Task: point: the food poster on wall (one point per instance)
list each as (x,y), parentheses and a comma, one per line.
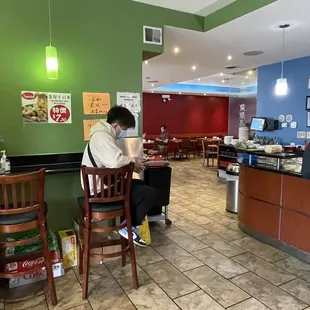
(96,103)
(131,101)
(88,124)
(46,107)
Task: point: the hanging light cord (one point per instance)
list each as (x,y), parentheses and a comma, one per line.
(283,49)
(50,20)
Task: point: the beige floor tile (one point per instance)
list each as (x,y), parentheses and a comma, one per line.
(1,304)
(174,217)
(177,208)
(221,245)
(95,272)
(268,271)
(123,275)
(159,239)
(295,267)
(260,249)
(222,290)
(196,218)
(191,228)
(107,295)
(250,304)
(220,263)
(69,292)
(34,303)
(267,293)
(197,301)
(83,307)
(224,232)
(298,288)
(186,241)
(162,227)
(147,255)
(170,279)
(151,297)
(179,257)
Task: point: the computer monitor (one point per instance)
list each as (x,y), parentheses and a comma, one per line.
(258,123)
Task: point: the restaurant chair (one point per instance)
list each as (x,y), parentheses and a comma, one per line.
(110,201)
(186,149)
(210,151)
(22,208)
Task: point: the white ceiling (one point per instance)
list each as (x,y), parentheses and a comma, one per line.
(208,51)
(200,7)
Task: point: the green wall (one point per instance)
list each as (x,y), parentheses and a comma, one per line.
(100,49)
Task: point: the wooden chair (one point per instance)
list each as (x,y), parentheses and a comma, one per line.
(185,150)
(111,200)
(210,151)
(22,208)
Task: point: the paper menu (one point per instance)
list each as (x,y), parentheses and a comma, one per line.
(96,103)
(88,124)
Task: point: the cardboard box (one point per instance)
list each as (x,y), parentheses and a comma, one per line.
(68,246)
(37,276)
(58,270)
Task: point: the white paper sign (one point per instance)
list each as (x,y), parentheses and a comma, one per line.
(131,101)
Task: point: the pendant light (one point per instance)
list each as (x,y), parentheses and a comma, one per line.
(51,51)
(281,86)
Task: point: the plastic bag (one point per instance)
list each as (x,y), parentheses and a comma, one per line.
(144,231)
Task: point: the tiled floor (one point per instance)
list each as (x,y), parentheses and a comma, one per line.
(202,262)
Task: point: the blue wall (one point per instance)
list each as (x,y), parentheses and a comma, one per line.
(297,73)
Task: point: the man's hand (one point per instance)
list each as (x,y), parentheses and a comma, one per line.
(139,167)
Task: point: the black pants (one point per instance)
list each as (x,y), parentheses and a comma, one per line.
(142,201)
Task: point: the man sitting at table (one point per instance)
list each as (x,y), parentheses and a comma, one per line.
(164,136)
(104,153)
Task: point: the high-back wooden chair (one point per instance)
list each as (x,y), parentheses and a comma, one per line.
(22,208)
(110,200)
(210,151)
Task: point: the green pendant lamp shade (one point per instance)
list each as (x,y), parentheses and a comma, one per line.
(51,63)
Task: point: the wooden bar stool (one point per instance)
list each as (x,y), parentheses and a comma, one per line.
(210,151)
(22,208)
(111,200)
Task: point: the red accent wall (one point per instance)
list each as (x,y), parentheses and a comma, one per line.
(185,114)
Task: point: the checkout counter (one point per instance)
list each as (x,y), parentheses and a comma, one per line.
(274,204)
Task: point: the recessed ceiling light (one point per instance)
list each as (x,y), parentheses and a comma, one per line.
(152,91)
(246,76)
(194,67)
(205,94)
(242,83)
(146,62)
(223,81)
(198,79)
(250,72)
(176,50)
(152,85)
(229,57)
(221,74)
(180,93)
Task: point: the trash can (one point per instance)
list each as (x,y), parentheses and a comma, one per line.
(232,186)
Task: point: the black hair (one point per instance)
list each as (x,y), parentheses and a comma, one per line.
(163,126)
(122,116)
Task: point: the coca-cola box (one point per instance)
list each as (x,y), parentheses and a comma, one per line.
(36,276)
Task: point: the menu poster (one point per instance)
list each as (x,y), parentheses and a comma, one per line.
(133,132)
(45,107)
(88,124)
(96,103)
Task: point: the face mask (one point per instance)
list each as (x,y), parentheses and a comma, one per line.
(122,134)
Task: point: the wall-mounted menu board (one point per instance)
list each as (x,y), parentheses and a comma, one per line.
(96,103)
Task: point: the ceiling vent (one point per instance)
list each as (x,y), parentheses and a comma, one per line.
(231,67)
(152,35)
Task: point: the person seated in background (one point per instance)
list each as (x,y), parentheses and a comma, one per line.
(164,136)
(102,152)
